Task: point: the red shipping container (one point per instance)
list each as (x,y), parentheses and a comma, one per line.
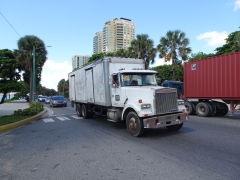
(216,77)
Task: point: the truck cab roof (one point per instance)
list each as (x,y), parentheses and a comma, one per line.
(137,71)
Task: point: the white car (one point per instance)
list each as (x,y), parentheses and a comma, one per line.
(47,100)
(42,98)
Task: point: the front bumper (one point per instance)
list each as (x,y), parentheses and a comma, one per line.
(59,104)
(162,121)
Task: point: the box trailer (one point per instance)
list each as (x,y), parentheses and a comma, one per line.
(124,91)
(209,80)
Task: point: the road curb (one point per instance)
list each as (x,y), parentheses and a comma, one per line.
(15,125)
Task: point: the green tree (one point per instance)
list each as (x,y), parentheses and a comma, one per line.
(9,73)
(95,57)
(199,55)
(121,53)
(143,48)
(62,87)
(24,56)
(232,44)
(165,72)
(42,90)
(175,45)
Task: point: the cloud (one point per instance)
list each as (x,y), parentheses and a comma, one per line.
(213,38)
(53,72)
(236,5)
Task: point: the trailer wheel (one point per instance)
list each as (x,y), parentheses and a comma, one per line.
(79,110)
(85,113)
(175,127)
(134,124)
(203,109)
(223,110)
(190,107)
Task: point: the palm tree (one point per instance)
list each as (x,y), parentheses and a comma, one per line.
(175,45)
(24,56)
(121,53)
(143,48)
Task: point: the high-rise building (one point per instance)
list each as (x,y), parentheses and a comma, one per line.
(117,34)
(78,61)
(97,43)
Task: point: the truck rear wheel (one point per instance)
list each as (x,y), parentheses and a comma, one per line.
(190,108)
(79,110)
(203,109)
(175,127)
(134,124)
(85,113)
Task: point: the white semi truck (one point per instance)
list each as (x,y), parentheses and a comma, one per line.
(122,90)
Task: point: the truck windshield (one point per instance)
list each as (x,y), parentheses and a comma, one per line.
(138,79)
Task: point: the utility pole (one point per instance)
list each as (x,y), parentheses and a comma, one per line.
(34,74)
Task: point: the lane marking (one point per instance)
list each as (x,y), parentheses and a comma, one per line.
(76,117)
(48,120)
(62,118)
(63,114)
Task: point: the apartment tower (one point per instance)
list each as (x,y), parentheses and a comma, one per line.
(117,34)
(79,61)
(97,43)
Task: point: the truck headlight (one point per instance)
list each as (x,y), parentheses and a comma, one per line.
(144,106)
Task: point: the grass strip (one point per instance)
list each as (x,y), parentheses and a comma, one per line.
(4,120)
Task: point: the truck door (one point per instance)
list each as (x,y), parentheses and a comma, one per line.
(118,93)
(89,86)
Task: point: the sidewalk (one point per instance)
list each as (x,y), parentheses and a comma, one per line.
(9,107)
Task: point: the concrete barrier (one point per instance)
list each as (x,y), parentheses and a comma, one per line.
(9,127)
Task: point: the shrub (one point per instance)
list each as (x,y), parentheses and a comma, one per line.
(34,108)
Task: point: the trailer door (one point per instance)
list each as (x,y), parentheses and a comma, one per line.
(89,86)
(72,88)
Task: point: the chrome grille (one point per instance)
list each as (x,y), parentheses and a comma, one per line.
(166,102)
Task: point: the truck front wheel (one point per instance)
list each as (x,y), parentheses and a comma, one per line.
(134,124)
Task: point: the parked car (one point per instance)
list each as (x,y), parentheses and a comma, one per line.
(42,98)
(58,101)
(47,100)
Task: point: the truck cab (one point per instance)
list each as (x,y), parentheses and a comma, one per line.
(137,91)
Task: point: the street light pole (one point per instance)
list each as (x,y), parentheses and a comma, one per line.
(34,74)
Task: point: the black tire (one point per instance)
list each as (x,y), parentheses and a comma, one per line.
(85,113)
(190,107)
(134,124)
(203,109)
(223,110)
(175,127)
(79,110)
(212,108)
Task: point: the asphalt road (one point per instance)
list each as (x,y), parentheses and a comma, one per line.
(62,147)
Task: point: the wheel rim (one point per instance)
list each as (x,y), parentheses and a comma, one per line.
(132,124)
(202,110)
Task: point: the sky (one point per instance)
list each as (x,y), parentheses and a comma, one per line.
(69,26)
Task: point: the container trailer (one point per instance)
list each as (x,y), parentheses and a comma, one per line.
(212,83)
